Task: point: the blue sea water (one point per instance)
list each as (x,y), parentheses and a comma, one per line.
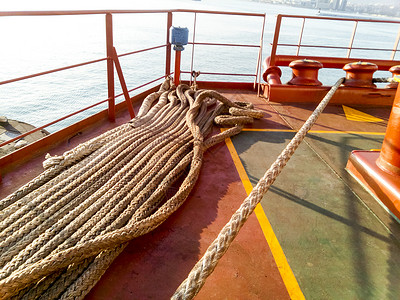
(36,44)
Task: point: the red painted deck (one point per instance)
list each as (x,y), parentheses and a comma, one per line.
(153,266)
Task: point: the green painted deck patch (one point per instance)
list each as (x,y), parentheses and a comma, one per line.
(335,246)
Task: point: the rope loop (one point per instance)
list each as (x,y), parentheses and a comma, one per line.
(52,161)
(253,113)
(227,120)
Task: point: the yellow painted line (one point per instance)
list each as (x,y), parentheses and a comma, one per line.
(359,116)
(315,131)
(239,166)
(269,130)
(286,272)
(288,277)
(347,132)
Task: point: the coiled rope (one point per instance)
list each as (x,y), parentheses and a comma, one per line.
(206,265)
(60,231)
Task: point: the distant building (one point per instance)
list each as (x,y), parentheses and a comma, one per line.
(331,4)
(323,4)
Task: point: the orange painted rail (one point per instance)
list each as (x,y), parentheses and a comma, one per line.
(299,45)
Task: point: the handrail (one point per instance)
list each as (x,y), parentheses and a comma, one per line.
(141,50)
(102,12)
(110,46)
(336,47)
(52,71)
(220,73)
(350,47)
(221,44)
(338,19)
(51,123)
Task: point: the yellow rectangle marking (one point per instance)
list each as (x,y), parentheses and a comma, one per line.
(286,272)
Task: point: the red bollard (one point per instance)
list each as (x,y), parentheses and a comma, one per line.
(379,171)
(272,75)
(389,159)
(359,74)
(395,70)
(305,72)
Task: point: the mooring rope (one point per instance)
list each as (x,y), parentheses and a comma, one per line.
(59,231)
(206,265)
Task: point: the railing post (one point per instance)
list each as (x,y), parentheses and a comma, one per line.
(110,68)
(177,73)
(193,43)
(168,48)
(276,38)
(259,58)
(300,37)
(396,44)
(123,83)
(352,39)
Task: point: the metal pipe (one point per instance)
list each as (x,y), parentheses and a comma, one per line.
(396,44)
(144,84)
(141,50)
(102,12)
(300,36)
(168,48)
(110,68)
(193,44)
(340,19)
(177,73)
(74,113)
(51,71)
(335,47)
(276,38)
(123,84)
(220,44)
(259,58)
(352,39)
(51,123)
(214,73)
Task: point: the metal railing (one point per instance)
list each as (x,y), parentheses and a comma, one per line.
(259,46)
(275,44)
(111,57)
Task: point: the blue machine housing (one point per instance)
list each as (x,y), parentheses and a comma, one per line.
(179,37)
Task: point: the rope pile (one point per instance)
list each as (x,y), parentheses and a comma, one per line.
(59,232)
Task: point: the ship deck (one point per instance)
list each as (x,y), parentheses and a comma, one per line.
(317,233)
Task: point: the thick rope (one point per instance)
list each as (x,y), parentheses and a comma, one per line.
(206,265)
(58,232)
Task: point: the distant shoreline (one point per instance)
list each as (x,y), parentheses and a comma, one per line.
(351,13)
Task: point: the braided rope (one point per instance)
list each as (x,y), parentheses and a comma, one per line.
(58,232)
(206,265)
